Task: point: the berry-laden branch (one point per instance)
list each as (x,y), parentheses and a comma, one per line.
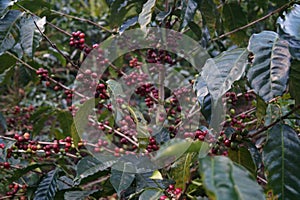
(55,47)
(49,78)
(83,20)
(255,21)
(276,121)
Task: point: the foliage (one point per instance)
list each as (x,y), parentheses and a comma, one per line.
(157,124)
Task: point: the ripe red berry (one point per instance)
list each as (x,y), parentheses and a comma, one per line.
(227,143)
(71,43)
(81,41)
(81,35)
(68,139)
(6,165)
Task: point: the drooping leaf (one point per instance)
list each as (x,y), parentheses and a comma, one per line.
(151,194)
(89,166)
(289,29)
(261,108)
(78,195)
(4,4)
(18,173)
(81,117)
(211,16)
(172,150)
(280,158)
(47,187)
(143,181)
(128,23)
(222,179)
(294,81)
(29,34)
(268,74)
(6,61)
(222,71)
(121,180)
(243,157)
(188,10)
(146,14)
(180,170)
(234,17)
(65,119)
(289,22)
(9,30)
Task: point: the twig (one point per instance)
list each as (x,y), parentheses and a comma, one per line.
(253,22)
(55,47)
(49,78)
(276,121)
(83,20)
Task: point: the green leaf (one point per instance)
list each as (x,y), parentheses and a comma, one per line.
(280,156)
(261,108)
(222,71)
(289,29)
(222,179)
(81,117)
(289,23)
(6,61)
(4,4)
(9,30)
(243,157)
(180,170)
(211,16)
(75,135)
(188,10)
(30,36)
(115,88)
(151,194)
(48,186)
(18,173)
(234,17)
(78,195)
(89,166)
(156,175)
(65,119)
(128,23)
(268,74)
(172,150)
(146,14)
(294,81)
(121,180)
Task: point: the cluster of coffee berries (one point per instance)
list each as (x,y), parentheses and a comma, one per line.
(149,91)
(152,146)
(173,193)
(232,97)
(135,63)
(17,188)
(135,78)
(159,57)
(100,144)
(101,91)
(78,41)
(69,95)
(18,118)
(42,73)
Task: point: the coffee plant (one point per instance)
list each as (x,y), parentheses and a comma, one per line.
(147,99)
